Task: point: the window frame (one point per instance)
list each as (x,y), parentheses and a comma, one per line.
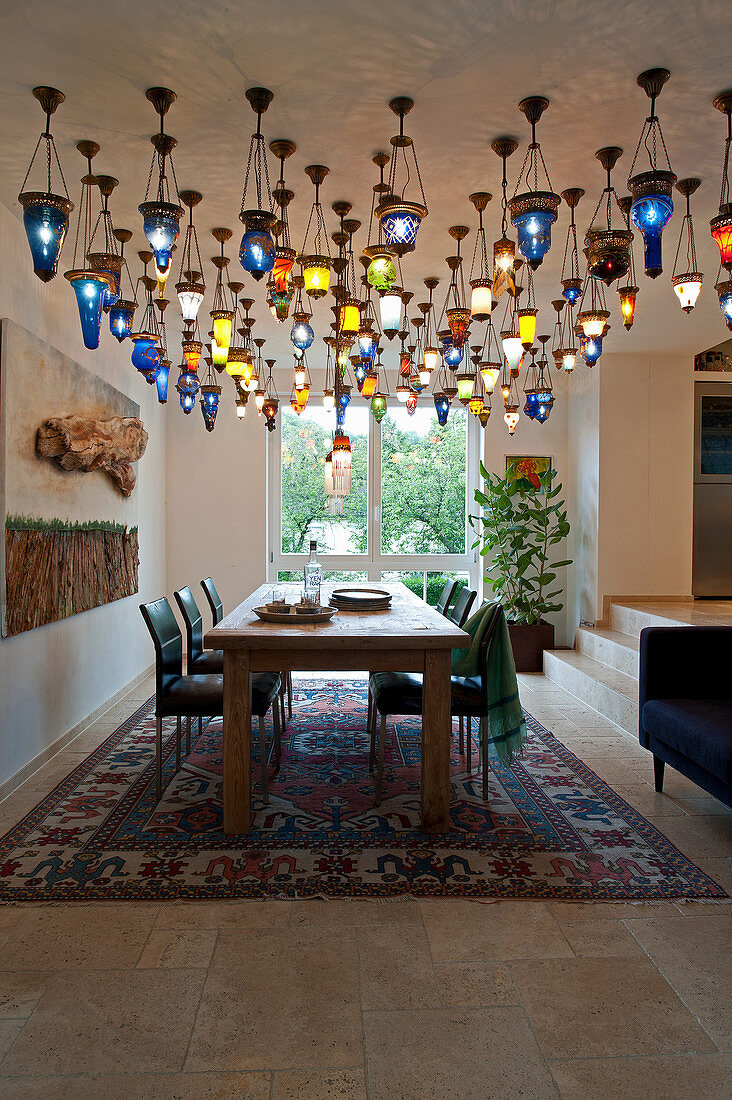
(373,562)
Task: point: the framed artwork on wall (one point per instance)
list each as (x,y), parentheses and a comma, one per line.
(528,469)
(69,445)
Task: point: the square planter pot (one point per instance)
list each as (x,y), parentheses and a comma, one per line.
(528,643)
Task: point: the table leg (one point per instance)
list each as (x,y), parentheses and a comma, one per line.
(436,741)
(236,742)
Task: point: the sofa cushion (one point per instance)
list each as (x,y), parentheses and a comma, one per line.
(700,729)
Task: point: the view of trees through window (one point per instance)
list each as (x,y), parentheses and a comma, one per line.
(423,482)
(306,440)
(422,491)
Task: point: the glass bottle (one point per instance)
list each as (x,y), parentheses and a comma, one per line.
(313,575)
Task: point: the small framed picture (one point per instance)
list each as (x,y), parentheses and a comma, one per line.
(527,470)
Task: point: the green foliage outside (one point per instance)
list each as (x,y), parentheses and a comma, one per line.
(305,444)
(518,530)
(423,487)
(29,523)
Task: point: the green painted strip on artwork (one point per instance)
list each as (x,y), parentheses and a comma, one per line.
(30,523)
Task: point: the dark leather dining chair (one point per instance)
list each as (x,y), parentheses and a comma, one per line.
(217,613)
(459,613)
(214,600)
(198,659)
(199,695)
(446,597)
(401,693)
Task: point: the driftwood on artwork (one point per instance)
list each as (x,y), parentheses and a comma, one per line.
(81,443)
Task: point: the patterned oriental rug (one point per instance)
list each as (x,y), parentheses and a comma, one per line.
(550,829)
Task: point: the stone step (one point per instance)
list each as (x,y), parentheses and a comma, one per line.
(610,647)
(629,619)
(606,690)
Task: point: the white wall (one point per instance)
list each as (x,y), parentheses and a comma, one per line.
(216,507)
(52,677)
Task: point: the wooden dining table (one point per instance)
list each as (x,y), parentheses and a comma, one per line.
(409,637)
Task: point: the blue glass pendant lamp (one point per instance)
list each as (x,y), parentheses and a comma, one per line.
(161,216)
(257,248)
(46,213)
(145,355)
(571,280)
(652,190)
(122,313)
(210,394)
(534,211)
(400,216)
(187,387)
(90,286)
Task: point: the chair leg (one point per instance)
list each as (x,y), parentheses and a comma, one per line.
(188,735)
(659,767)
(281,700)
(470,750)
(200,725)
(289,695)
(177,743)
(373,717)
(158,759)
(368,712)
(484,754)
(380,769)
(461,727)
(277,733)
(263,759)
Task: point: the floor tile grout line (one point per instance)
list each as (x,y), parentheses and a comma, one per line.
(357,942)
(184,1062)
(668,981)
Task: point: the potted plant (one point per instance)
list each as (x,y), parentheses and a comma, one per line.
(521,522)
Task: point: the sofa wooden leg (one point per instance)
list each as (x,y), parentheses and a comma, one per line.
(658,768)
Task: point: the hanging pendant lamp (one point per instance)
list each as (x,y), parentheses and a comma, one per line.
(190,287)
(687,283)
(399,216)
(608,249)
(90,286)
(721,225)
(652,190)
(534,211)
(161,215)
(504,249)
(257,249)
(46,213)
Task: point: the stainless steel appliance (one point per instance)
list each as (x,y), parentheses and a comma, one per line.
(712,553)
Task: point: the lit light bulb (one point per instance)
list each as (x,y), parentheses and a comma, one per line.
(328,401)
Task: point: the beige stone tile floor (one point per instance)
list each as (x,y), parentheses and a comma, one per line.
(393,1000)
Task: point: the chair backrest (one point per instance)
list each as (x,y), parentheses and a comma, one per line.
(463,603)
(446,596)
(168,642)
(194,624)
(214,600)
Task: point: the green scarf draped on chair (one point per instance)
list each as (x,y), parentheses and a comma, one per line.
(507,728)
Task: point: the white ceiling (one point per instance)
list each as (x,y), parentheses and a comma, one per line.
(333,65)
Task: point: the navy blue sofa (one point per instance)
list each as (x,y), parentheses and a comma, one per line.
(685,713)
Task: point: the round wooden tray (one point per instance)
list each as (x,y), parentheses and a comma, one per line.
(293,618)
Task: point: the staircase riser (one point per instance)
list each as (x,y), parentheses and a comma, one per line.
(630,621)
(608,652)
(611,704)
